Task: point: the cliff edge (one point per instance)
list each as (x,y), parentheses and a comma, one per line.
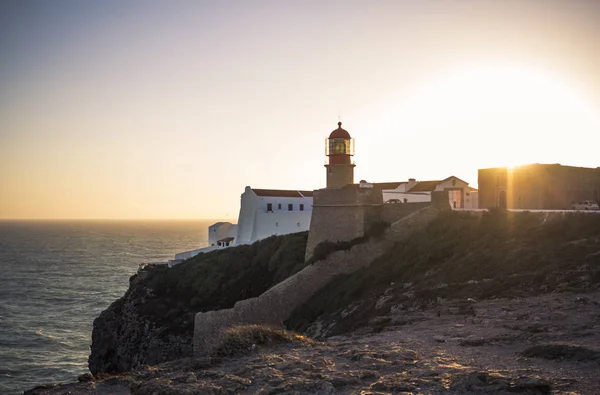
(470,303)
(153,321)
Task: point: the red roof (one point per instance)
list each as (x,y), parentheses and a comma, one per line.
(339,133)
(281,193)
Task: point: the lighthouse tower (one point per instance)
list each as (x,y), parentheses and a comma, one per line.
(339,148)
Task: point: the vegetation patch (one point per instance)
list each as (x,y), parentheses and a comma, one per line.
(459,256)
(218,279)
(325,248)
(244,339)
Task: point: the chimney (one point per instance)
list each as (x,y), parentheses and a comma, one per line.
(411,183)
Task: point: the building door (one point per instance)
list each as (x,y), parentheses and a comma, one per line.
(455,198)
(502,199)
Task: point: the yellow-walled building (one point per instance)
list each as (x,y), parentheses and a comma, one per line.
(538,186)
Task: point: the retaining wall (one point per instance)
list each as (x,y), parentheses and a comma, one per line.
(393,212)
(275,305)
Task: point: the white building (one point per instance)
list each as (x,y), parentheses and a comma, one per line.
(267,212)
(459,193)
(221,234)
(263,213)
(399,191)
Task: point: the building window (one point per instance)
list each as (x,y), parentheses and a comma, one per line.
(269,207)
(279,206)
(301,207)
(290,207)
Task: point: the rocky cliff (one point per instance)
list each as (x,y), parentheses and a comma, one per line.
(460,257)
(153,321)
(489,303)
(554,350)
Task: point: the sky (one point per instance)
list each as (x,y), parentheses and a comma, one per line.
(156,109)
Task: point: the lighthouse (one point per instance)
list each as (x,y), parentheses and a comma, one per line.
(339,148)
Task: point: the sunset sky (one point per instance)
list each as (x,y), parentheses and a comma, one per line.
(168,109)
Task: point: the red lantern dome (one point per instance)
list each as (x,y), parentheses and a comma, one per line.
(339,147)
(339,133)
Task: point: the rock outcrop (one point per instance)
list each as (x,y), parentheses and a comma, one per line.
(123,338)
(153,321)
(489,303)
(433,355)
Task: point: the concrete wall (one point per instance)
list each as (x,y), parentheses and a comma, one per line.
(248,206)
(275,305)
(193,253)
(280,223)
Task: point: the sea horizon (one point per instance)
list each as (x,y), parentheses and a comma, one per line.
(59,275)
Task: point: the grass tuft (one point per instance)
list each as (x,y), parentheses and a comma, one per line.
(241,340)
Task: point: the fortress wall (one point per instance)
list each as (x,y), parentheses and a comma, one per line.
(440,200)
(342,215)
(334,224)
(391,213)
(275,305)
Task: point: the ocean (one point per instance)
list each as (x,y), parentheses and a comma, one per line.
(57,276)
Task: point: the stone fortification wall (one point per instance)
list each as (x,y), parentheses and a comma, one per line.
(275,305)
(342,215)
(391,213)
(347,197)
(440,200)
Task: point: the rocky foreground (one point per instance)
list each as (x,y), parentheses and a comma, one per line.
(545,344)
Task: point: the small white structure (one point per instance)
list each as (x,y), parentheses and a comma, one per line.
(263,213)
(400,191)
(460,195)
(268,212)
(221,234)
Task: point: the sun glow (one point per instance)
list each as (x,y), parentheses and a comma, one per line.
(504,114)
(487,90)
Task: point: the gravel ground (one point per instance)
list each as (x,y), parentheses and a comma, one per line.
(537,345)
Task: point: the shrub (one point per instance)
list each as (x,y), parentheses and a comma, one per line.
(218,279)
(325,248)
(243,339)
(516,251)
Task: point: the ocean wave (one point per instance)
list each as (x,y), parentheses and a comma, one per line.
(58,276)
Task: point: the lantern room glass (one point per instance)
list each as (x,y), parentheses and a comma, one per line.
(339,147)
